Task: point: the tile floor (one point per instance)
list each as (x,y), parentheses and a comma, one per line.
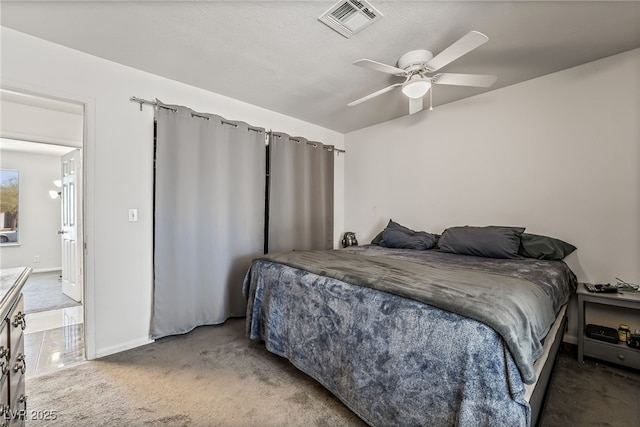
(53,339)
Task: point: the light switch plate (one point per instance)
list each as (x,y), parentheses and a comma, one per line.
(133,215)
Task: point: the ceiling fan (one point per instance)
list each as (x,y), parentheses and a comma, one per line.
(418,66)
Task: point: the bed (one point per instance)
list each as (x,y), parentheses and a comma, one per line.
(407,337)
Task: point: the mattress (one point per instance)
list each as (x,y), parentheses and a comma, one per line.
(547,356)
(391,359)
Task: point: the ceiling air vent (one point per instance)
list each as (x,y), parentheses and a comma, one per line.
(351,16)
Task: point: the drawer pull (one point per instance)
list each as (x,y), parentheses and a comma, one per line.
(21,364)
(23,399)
(20,320)
(5,354)
(621,356)
(5,415)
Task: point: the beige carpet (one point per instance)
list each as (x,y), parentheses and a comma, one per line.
(212,376)
(215,376)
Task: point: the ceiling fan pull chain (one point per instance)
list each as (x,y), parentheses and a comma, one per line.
(431,99)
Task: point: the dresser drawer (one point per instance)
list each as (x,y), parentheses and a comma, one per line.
(4,350)
(18,402)
(18,366)
(5,409)
(17,323)
(620,354)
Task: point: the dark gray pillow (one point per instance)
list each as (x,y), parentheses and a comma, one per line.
(489,242)
(544,247)
(376,240)
(398,236)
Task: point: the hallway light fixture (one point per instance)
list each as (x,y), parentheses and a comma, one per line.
(53,193)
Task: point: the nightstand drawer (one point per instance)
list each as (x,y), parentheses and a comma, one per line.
(614,353)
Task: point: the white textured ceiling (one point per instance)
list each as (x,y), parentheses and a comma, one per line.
(277,55)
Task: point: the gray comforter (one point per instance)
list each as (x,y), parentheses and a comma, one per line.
(461,358)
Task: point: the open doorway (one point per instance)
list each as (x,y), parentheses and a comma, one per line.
(42,139)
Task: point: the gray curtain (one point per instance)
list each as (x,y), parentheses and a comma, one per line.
(301,194)
(209,217)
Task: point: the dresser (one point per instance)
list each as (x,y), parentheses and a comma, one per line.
(13,401)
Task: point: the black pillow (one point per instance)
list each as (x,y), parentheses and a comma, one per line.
(544,247)
(398,236)
(376,240)
(490,242)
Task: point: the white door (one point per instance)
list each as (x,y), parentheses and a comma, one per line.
(71,220)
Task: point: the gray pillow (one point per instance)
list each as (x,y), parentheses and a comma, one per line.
(544,247)
(398,236)
(376,240)
(489,242)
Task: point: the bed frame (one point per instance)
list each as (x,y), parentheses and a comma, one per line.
(535,394)
(539,395)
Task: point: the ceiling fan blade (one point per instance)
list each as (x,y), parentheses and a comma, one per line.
(415,105)
(480,80)
(379,66)
(373,95)
(464,45)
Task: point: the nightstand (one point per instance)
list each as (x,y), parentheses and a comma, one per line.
(620,353)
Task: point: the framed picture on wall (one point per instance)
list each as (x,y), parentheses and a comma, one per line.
(9,205)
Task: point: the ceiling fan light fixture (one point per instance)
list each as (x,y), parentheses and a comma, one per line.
(416,88)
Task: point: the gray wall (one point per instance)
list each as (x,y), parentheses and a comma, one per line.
(558,154)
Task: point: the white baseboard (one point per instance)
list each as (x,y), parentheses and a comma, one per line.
(46,270)
(571,339)
(123,346)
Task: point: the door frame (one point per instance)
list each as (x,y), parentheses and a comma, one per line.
(87,263)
